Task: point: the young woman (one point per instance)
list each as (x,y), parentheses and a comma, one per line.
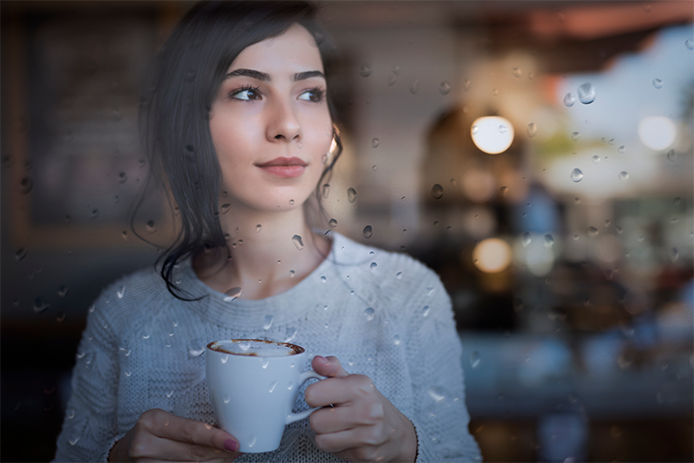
(239,122)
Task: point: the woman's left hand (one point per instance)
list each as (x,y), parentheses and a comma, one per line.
(358,423)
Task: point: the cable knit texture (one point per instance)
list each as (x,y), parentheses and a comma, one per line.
(383,315)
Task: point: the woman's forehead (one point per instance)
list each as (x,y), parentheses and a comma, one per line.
(294,50)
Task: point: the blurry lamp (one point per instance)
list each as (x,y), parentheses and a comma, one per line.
(492,134)
(657,132)
(492,255)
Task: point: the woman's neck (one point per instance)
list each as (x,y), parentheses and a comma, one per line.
(266,253)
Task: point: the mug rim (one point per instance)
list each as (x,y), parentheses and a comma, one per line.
(296,349)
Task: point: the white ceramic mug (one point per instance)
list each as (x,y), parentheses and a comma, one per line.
(253,385)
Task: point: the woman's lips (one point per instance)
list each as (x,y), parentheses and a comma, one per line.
(284,167)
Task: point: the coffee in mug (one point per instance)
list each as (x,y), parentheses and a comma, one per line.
(253,385)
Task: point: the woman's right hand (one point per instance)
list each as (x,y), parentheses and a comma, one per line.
(159,435)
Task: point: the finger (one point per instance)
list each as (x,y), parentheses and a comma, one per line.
(335,391)
(328,366)
(172,427)
(152,447)
(364,436)
(347,416)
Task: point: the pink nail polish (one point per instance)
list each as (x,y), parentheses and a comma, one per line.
(231,445)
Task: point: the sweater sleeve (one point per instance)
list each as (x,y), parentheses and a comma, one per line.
(89,426)
(435,354)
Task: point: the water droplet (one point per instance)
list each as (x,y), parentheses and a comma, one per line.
(592,232)
(323,278)
(425,311)
(437,191)
(291,202)
(532,129)
(292,273)
(671,155)
(658,83)
(146,336)
(586,93)
(398,275)
(624,175)
(325,190)
(127,373)
(122,177)
(370,313)
(444,88)
(575,135)
(40,305)
(74,440)
(365,70)
(373,266)
(225,208)
(576,175)
(232,294)
(517,72)
(396,340)
(475,359)
(60,318)
(224,359)
(150,226)
(195,352)
(273,386)
(227,399)
(436,394)
(26,185)
(569,100)
(70,413)
(549,240)
(375,142)
(63,290)
(124,234)
(351,194)
(258,227)
(265,364)
(291,334)
(332,223)
(368,232)
(298,242)
(621,149)
(596,158)
(526,240)
(689,43)
(20,254)
(414,87)
(675,254)
(94,213)
(120,292)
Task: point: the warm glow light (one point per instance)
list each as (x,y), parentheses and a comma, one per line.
(492,134)
(492,255)
(657,132)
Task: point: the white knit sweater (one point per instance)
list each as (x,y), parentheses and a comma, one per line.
(382,314)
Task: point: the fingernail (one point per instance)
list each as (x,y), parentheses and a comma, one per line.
(231,445)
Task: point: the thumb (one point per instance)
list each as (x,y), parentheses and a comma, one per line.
(328,366)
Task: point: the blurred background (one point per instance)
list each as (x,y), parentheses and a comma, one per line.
(536,154)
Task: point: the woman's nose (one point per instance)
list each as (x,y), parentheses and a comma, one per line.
(283,124)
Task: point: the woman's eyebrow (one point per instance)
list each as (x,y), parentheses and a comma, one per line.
(308,75)
(262,76)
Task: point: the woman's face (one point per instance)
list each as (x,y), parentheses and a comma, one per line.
(270,123)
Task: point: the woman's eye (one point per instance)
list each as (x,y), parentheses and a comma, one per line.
(245,94)
(314,95)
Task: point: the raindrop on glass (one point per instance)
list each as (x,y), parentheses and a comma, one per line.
(40,305)
(437,191)
(398,275)
(231,294)
(370,313)
(527,239)
(436,394)
(292,273)
(624,175)
(258,227)
(265,363)
(94,213)
(658,83)
(674,255)
(671,155)
(592,232)
(689,43)
(569,100)
(63,290)
(195,352)
(575,135)
(26,184)
(444,88)
(586,93)
(532,129)
(20,254)
(576,175)
(517,72)
(224,359)
(475,359)
(425,311)
(74,440)
(396,340)
(291,202)
(120,292)
(226,207)
(414,87)
(368,232)
(596,158)
(621,149)
(60,318)
(549,240)
(373,266)
(267,323)
(365,70)
(291,335)
(351,194)
(332,223)
(326,190)
(122,177)
(272,388)
(298,242)
(375,142)
(150,226)
(323,278)
(124,234)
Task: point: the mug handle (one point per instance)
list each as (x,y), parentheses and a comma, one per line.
(305,376)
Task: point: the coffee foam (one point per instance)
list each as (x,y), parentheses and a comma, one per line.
(255,348)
